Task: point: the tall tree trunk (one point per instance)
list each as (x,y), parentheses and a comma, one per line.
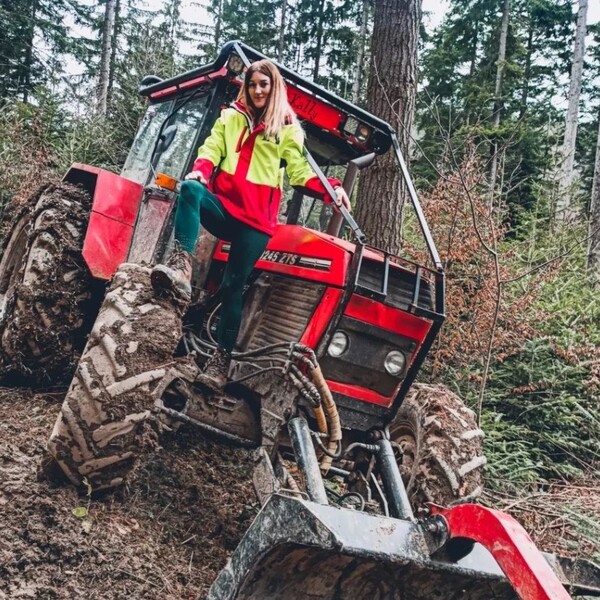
(319,40)
(527,72)
(107,35)
(391,96)
(113,53)
(593,255)
(498,96)
(564,210)
(218,25)
(360,57)
(282,32)
(28,62)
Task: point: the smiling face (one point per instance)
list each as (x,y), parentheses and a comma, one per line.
(259,88)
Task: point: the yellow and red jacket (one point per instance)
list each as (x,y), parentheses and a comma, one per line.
(244,168)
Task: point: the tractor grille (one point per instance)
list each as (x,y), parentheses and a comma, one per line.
(288,308)
(401,285)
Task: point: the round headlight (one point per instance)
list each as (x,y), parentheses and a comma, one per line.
(394,363)
(339,344)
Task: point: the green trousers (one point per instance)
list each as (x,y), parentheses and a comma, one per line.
(198,207)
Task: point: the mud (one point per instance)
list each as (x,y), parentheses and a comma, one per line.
(105,420)
(163,536)
(442,459)
(54,302)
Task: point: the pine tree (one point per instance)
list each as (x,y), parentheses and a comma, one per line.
(32,38)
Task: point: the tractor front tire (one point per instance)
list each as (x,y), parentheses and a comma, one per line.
(106,419)
(440,448)
(45,287)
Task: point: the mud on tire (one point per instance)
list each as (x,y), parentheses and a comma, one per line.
(441,447)
(45,286)
(105,421)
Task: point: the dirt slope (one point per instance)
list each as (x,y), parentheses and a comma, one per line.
(163,537)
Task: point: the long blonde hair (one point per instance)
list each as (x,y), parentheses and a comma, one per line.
(278,111)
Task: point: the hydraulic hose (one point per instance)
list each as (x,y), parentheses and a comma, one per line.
(335,427)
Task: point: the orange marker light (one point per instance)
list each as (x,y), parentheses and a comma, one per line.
(166,181)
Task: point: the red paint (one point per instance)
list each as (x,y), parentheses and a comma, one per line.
(297,240)
(106,245)
(361,393)
(386,317)
(321,317)
(114,196)
(113,216)
(524,566)
(187,84)
(316,111)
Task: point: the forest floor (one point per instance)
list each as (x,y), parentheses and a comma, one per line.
(170,530)
(164,536)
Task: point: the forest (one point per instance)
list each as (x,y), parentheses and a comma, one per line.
(499,114)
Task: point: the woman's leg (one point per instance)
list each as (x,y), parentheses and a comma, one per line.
(246,247)
(194,205)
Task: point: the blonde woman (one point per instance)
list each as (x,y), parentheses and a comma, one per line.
(234,191)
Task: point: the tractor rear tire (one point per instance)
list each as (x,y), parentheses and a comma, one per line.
(440,448)
(106,420)
(45,287)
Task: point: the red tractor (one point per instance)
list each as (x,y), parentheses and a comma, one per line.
(334,333)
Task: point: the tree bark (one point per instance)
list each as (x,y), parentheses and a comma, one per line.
(564,210)
(593,255)
(391,95)
(282,32)
(360,56)
(218,22)
(527,72)
(113,54)
(29,58)
(107,35)
(498,97)
(318,49)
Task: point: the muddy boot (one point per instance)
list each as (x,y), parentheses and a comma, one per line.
(175,275)
(215,370)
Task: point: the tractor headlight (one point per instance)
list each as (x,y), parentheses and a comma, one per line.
(357,129)
(339,344)
(394,363)
(362,133)
(350,126)
(235,64)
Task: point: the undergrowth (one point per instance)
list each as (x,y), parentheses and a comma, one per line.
(539,401)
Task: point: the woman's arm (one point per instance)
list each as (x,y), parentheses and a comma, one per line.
(300,173)
(210,153)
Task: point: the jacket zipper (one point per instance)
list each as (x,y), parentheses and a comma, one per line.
(240,140)
(271,204)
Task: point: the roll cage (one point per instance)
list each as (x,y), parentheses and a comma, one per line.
(337,131)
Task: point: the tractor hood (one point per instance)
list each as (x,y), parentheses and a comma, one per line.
(303,253)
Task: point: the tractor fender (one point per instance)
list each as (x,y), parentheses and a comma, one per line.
(112,219)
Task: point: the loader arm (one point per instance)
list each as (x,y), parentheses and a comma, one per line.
(528,571)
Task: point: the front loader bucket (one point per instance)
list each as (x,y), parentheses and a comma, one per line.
(297,549)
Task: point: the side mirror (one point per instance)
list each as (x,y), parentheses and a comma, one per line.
(166,139)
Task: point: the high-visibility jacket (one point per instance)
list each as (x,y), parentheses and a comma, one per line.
(244,168)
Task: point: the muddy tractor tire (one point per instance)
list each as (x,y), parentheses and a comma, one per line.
(106,419)
(440,448)
(45,286)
